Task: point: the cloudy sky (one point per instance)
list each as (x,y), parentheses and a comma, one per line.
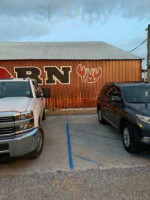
(119,22)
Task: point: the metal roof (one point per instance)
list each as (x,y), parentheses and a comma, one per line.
(63,51)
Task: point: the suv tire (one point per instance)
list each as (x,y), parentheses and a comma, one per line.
(35,154)
(129,138)
(100,116)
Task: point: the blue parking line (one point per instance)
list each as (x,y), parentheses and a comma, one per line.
(86,159)
(71,166)
(96,134)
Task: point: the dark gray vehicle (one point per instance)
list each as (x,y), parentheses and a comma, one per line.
(126,106)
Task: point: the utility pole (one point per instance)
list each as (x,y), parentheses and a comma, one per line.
(148,54)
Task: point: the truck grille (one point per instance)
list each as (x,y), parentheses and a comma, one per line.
(6,131)
(7,124)
(6,119)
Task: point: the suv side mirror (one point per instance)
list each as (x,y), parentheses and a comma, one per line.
(46,92)
(116,99)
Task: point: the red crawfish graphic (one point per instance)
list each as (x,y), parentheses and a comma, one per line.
(4,73)
(89,75)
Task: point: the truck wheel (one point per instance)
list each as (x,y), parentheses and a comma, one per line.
(44,115)
(129,138)
(100,116)
(35,154)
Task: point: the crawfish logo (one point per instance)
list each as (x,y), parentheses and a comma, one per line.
(89,75)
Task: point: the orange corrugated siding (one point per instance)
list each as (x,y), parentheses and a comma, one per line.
(79,94)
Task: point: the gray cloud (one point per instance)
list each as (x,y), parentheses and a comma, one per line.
(129,8)
(21,18)
(15,29)
(135,8)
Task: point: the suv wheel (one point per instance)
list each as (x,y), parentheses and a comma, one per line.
(129,138)
(35,154)
(100,116)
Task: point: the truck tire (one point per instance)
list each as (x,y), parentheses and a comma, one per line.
(100,116)
(128,138)
(35,154)
(44,115)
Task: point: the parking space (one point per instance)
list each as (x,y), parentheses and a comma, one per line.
(54,155)
(95,145)
(77,142)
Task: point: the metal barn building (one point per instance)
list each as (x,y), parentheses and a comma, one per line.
(75,71)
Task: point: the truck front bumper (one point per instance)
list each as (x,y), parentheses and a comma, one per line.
(20,145)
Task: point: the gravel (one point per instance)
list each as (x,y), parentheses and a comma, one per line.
(94,184)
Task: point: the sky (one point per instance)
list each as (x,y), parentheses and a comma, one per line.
(121,23)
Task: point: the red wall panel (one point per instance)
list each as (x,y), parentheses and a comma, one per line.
(77,93)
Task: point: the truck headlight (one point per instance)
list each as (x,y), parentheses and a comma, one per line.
(24,121)
(143,118)
(24,116)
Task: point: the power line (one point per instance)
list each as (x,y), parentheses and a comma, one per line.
(138,46)
(133,32)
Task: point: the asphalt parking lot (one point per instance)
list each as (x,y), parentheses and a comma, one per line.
(78,142)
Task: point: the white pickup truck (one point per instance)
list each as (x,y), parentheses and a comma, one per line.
(22,107)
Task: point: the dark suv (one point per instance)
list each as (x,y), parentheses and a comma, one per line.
(126,106)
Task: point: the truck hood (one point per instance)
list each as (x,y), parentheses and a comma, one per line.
(19,104)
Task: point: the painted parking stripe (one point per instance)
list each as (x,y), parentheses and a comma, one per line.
(86,159)
(95,134)
(71,166)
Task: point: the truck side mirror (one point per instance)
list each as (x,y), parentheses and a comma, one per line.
(46,92)
(39,95)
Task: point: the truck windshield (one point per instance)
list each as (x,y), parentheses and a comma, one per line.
(15,89)
(137,94)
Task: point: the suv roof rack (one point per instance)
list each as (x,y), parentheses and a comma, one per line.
(133,82)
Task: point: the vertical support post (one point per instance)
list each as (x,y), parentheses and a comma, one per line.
(148,54)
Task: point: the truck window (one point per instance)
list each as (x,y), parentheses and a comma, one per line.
(15,89)
(37,89)
(35,85)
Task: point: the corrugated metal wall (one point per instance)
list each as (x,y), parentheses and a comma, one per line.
(79,94)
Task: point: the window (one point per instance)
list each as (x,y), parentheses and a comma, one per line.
(15,89)
(114,92)
(37,89)
(35,85)
(106,89)
(137,94)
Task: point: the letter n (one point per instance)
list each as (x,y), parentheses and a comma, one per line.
(54,74)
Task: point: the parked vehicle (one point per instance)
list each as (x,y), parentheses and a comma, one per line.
(126,106)
(22,107)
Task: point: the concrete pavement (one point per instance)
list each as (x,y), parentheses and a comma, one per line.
(91,145)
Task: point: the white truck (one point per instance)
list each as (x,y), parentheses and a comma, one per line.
(22,107)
